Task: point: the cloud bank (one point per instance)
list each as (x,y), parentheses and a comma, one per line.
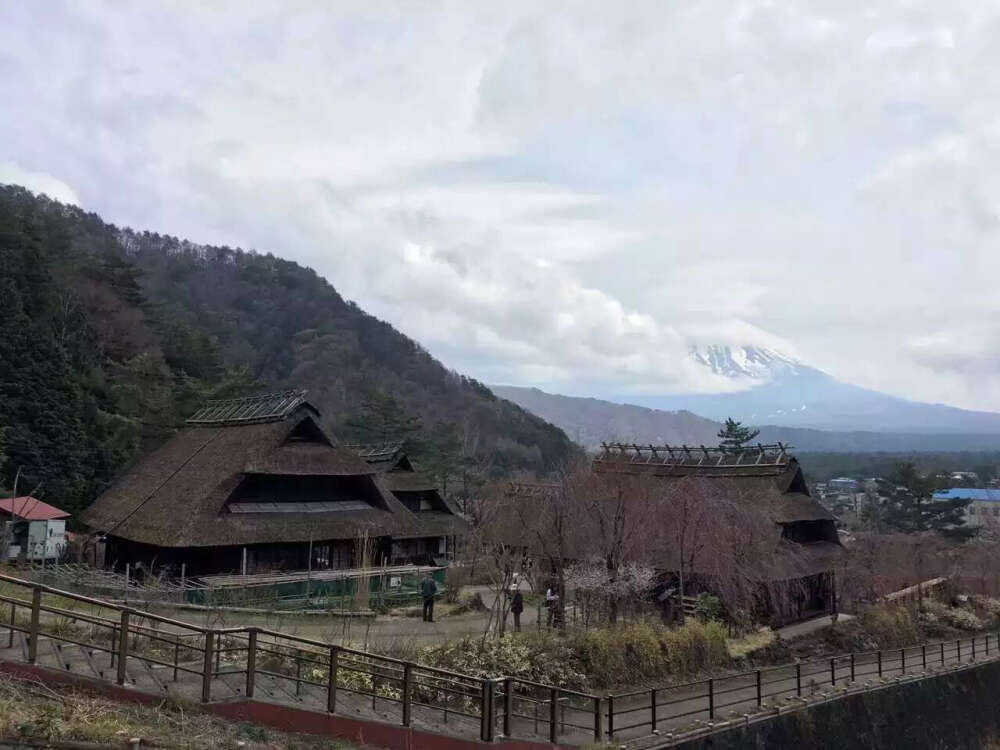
(562,195)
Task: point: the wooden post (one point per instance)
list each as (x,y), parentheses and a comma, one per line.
(508,705)
(122,647)
(251,662)
(484,711)
(652,709)
(407,690)
(298,673)
(36,611)
(10,637)
(184,577)
(711,698)
(852,666)
(177,651)
(243,566)
(206,667)
(798,678)
(553,715)
(942,653)
(973,648)
(923,656)
(760,698)
(879,663)
(611,717)
(331,680)
(597,720)
(902,660)
(958,650)
(833,670)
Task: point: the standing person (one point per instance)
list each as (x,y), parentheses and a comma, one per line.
(516,608)
(551,601)
(428,588)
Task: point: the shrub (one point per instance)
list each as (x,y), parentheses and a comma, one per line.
(708,607)
(891,625)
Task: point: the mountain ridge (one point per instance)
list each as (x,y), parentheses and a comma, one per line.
(589,421)
(777,389)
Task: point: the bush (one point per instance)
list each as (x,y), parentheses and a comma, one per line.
(936,612)
(708,607)
(891,625)
(591,659)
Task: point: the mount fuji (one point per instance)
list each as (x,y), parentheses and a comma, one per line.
(783,391)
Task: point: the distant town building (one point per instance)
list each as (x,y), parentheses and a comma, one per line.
(984,508)
(842,484)
(33,530)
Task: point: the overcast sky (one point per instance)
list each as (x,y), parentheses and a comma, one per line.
(557,194)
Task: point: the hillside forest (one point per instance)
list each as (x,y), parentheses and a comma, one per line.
(111,337)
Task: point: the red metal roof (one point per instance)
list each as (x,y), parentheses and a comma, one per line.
(30,508)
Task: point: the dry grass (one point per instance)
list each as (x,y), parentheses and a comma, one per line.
(751,642)
(30,710)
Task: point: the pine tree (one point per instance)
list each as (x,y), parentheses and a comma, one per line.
(909,505)
(734,435)
(382,419)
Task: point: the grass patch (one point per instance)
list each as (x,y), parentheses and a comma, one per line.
(31,711)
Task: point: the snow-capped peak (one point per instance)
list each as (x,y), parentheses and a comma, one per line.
(753,362)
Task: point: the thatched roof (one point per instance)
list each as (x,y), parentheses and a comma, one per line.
(767,476)
(178,496)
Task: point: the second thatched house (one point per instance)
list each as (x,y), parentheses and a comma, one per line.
(255,484)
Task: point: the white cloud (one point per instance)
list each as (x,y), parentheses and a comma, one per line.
(13,174)
(559,195)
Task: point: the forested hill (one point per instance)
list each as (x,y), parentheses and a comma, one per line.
(109,338)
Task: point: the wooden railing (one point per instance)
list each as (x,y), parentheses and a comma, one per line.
(466,704)
(679,708)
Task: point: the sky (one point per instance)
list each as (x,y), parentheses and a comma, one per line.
(567,195)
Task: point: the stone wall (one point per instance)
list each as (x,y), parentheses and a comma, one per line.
(948,712)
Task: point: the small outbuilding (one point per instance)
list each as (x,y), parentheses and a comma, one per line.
(32,529)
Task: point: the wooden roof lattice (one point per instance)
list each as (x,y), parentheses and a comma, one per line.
(270,407)
(701,459)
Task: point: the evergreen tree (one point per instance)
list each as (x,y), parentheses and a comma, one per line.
(909,505)
(734,435)
(382,419)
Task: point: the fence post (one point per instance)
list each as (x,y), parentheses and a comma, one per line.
(880,663)
(611,717)
(553,715)
(122,647)
(407,690)
(902,660)
(958,650)
(798,678)
(298,673)
(833,670)
(760,698)
(923,656)
(251,662)
(206,667)
(852,666)
(942,653)
(597,719)
(331,680)
(10,638)
(711,698)
(973,648)
(508,704)
(36,611)
(484,711)
(652,708)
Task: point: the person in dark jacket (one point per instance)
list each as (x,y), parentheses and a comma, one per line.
(516,608)
(428,588)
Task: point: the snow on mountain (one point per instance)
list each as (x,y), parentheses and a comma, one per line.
(751,362)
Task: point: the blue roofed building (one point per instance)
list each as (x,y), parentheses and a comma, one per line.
(984,507)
